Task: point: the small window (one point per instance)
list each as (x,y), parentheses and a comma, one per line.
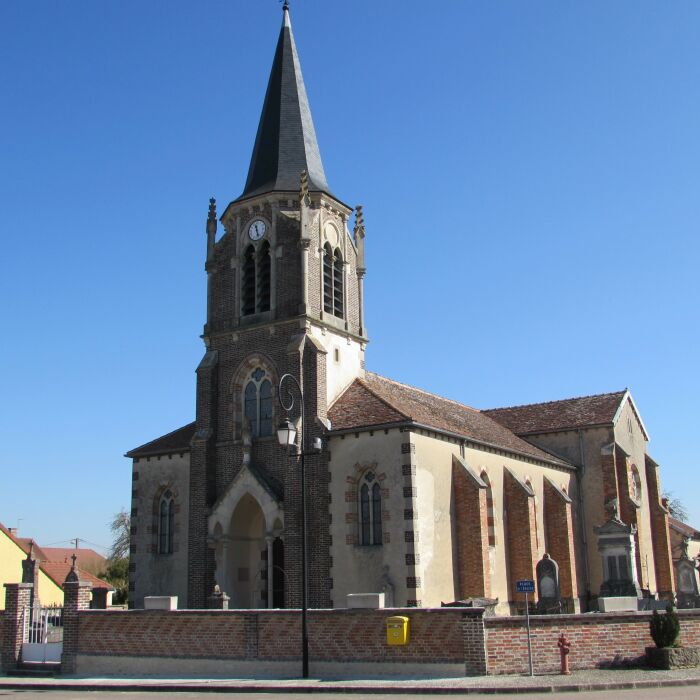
(166,523)
(370,510)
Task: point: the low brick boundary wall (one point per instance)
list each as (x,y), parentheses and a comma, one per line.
(442,636)
(443,641)
(598,640)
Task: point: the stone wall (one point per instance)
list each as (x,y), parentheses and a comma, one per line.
(597,641)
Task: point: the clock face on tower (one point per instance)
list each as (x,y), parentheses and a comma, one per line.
(257,230)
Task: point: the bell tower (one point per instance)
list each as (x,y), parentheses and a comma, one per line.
(284,295)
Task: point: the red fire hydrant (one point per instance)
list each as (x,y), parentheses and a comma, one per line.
(564,649)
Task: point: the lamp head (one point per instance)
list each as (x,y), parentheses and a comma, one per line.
(286,433)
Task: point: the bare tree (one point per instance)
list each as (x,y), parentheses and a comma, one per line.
(676,507)
(121,529)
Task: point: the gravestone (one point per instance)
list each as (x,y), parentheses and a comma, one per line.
(549,596)
(687,593)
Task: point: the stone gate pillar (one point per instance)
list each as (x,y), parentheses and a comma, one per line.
(17,599)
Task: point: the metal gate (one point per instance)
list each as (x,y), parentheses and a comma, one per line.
(42,638)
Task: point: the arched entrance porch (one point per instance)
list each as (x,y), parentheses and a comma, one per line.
(246,532)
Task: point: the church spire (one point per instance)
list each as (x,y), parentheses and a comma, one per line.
(286,140)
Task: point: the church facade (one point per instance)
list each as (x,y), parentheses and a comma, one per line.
(410,494)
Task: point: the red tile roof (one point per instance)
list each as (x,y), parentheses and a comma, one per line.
(375,400)
(177,441)
(559,415)
(683,528)
(86,558)
(58,570)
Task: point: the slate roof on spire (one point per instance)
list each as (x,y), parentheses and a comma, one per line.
(286,140)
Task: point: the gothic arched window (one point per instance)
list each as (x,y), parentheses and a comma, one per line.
(370,510)
(166,522)
(248,282)
(332,281)
(257,401)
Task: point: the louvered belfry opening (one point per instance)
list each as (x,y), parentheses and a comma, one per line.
(327,279)
(264,277)
(248,282)
(332,281)
(338,285)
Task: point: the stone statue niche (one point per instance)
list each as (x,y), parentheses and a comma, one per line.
(687,593)
(549,595)
(620,588)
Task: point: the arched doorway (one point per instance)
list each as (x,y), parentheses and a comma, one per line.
(247,554)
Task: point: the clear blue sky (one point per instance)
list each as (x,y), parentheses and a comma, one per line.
(530,174)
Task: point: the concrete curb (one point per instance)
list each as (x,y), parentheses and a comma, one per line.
(367,689)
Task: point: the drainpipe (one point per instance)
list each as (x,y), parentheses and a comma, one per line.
(582,513)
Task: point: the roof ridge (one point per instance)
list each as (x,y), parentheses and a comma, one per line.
(423,391)
(547,403)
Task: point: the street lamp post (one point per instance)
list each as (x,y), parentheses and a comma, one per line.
(287,434)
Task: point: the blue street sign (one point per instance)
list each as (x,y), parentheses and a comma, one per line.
(525,586)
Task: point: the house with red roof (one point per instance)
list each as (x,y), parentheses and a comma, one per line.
(53,567)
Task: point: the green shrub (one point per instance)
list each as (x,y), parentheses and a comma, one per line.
(665,628)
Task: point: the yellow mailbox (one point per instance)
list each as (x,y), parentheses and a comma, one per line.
(397,630)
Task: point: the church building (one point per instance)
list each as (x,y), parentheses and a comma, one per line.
(409,494)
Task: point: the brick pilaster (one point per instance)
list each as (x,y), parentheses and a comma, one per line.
(560,541)
(472,531)
(660,536)
(76,597)
(474,636)
(521,535)
(200,577)
(17,601)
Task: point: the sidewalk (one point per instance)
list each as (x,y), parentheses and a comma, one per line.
(577,681)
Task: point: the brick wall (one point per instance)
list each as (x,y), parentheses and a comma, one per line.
(436,635)
(597,641)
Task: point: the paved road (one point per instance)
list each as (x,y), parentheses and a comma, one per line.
(683,693)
